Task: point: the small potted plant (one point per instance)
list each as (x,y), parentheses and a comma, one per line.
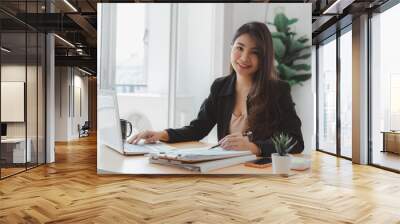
(281,160)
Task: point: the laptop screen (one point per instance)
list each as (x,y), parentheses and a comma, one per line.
(108,121)
(3,129)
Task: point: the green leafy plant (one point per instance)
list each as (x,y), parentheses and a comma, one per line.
(282,144)
(289,49)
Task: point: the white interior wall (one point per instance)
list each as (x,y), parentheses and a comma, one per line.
(61,103)
(158,21)
(14,73)
(65,119)
(195,74)
(79,117)
(33,126)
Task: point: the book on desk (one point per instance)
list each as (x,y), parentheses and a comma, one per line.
(201,159)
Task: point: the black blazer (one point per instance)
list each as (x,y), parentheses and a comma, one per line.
(218,108)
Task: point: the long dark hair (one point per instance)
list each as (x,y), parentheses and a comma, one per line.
(263,114)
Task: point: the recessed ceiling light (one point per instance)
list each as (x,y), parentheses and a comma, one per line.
(64,40)
(328,10)
(70,5)
(5,50)
(84,71)
(337,7)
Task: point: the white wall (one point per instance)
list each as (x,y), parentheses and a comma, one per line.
(80,83)
(61,103)
(33,126)
(195,72)
(158,51)
(15,72)
(66,121)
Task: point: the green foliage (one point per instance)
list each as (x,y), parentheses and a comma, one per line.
(282,144)
(288,50)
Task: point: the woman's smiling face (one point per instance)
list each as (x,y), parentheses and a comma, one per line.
(244,55)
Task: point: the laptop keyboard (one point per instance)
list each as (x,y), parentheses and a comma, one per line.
(135,148)
(147,148)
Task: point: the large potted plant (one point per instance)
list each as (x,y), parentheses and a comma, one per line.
(291,51)
(281,159)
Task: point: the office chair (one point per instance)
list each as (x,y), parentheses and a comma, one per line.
(84,130)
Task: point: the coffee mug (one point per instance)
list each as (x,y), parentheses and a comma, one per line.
(125,126)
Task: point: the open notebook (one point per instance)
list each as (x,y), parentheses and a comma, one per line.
(192,155)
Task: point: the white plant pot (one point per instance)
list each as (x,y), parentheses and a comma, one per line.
(280,164)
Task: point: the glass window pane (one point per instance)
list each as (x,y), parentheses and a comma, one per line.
(143,63)
(385,89)
(41,98)
(346,94)
(327,97)
(131,47)
(31,97)
(13,86)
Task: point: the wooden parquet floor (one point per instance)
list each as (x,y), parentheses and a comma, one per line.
(70,191)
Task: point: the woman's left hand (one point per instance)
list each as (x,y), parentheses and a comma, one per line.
(235,141)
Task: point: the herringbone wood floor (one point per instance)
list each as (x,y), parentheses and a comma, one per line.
(70,191)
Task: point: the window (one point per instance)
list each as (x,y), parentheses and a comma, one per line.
(327,97)
(346,94)
(131,48)
(385,88)
(141,60)
(22,65)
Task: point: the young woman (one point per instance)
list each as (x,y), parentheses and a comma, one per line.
(249,100)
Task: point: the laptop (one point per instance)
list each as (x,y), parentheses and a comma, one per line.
(109,128)
(3,131)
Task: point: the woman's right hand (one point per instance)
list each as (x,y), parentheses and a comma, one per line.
(149,137)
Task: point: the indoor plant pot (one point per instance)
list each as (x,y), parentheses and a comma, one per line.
(280,164)
(281,159)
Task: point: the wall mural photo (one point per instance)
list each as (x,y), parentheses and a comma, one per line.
(204,88)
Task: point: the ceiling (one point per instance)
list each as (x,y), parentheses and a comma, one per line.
(76,21)
(331,15)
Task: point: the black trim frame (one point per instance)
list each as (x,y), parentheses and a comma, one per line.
(317,96)
(369,90)
(0,92)
(385,168)
(338,73)
(26,90)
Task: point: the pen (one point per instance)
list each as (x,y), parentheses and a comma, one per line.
(247,133)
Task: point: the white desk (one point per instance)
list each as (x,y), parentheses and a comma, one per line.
(111,162)
(18,150)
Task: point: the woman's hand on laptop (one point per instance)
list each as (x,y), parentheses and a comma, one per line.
(148,136)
